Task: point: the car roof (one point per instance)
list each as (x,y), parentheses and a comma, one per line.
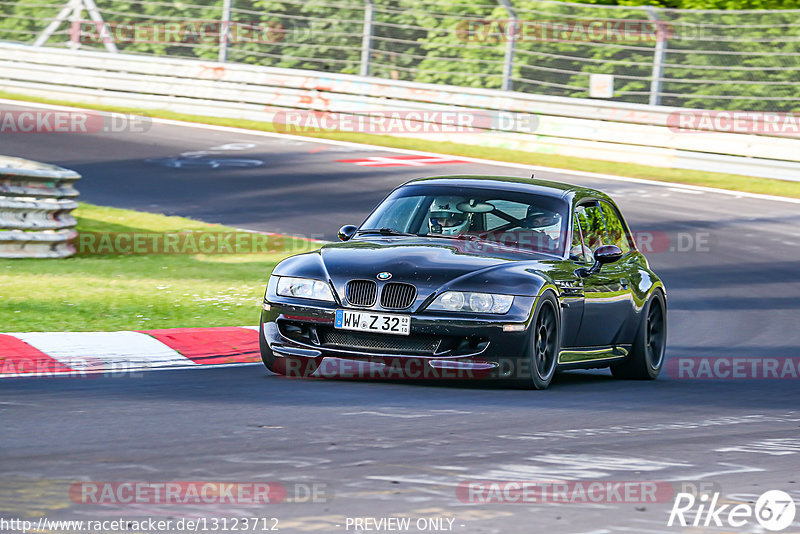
(513,183)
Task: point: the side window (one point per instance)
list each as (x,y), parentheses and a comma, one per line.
(593,228)
(577,251)
(616,234)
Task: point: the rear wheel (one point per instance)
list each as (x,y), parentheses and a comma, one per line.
(647,355)
(543,344)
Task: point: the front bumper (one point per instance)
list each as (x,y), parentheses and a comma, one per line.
(440,344)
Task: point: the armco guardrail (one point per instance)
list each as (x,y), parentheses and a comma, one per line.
(588,128)
(35,204)
(716,59)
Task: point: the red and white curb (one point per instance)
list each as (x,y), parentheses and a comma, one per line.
(80,353)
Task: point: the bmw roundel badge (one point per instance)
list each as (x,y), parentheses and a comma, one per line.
(384,275)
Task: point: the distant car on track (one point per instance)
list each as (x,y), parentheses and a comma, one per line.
(479,276)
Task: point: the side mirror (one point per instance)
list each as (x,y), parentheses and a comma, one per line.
(347,231)
(607,254)
(603,255)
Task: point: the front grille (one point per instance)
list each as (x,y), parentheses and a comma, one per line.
(398,296)
(367,342)
(362,292)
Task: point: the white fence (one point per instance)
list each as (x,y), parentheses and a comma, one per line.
(35,204)
(714,59)
(587,128)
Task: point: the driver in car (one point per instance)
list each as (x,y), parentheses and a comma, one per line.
(445,218)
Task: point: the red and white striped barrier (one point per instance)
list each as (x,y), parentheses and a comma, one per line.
(81,353)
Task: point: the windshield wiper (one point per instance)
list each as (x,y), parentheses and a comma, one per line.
(384,231)
(393,232)
(468,237)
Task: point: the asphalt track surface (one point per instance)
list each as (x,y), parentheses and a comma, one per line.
(384,449)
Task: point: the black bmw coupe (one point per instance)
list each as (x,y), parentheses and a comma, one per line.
(472,276)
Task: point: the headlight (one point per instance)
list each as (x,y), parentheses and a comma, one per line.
(472,302)
(305,288)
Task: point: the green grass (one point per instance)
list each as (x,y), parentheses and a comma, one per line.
(723,181)
(122,292)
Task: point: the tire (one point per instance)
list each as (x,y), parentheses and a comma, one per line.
(267,356)
(544,344)
(647,354)
(284,365)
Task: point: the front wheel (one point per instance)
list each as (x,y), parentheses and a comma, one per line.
(647,354)
(267,356)
(543,344)
(284,365)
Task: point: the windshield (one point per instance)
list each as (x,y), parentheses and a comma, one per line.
(522,220)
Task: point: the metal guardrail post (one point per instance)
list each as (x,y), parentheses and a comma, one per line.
(72,12)
(56,22)
(35,204)
(366,40)
(224,31)
(511,45)
(105,34)
(658,57)
(75,23)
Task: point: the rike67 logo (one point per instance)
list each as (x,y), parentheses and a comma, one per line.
(774,511)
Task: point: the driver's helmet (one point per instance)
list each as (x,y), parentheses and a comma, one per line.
(540,218)
(445,218)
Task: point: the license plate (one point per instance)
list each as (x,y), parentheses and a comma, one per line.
(381,323)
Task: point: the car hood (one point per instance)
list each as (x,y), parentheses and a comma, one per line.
(430,264)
